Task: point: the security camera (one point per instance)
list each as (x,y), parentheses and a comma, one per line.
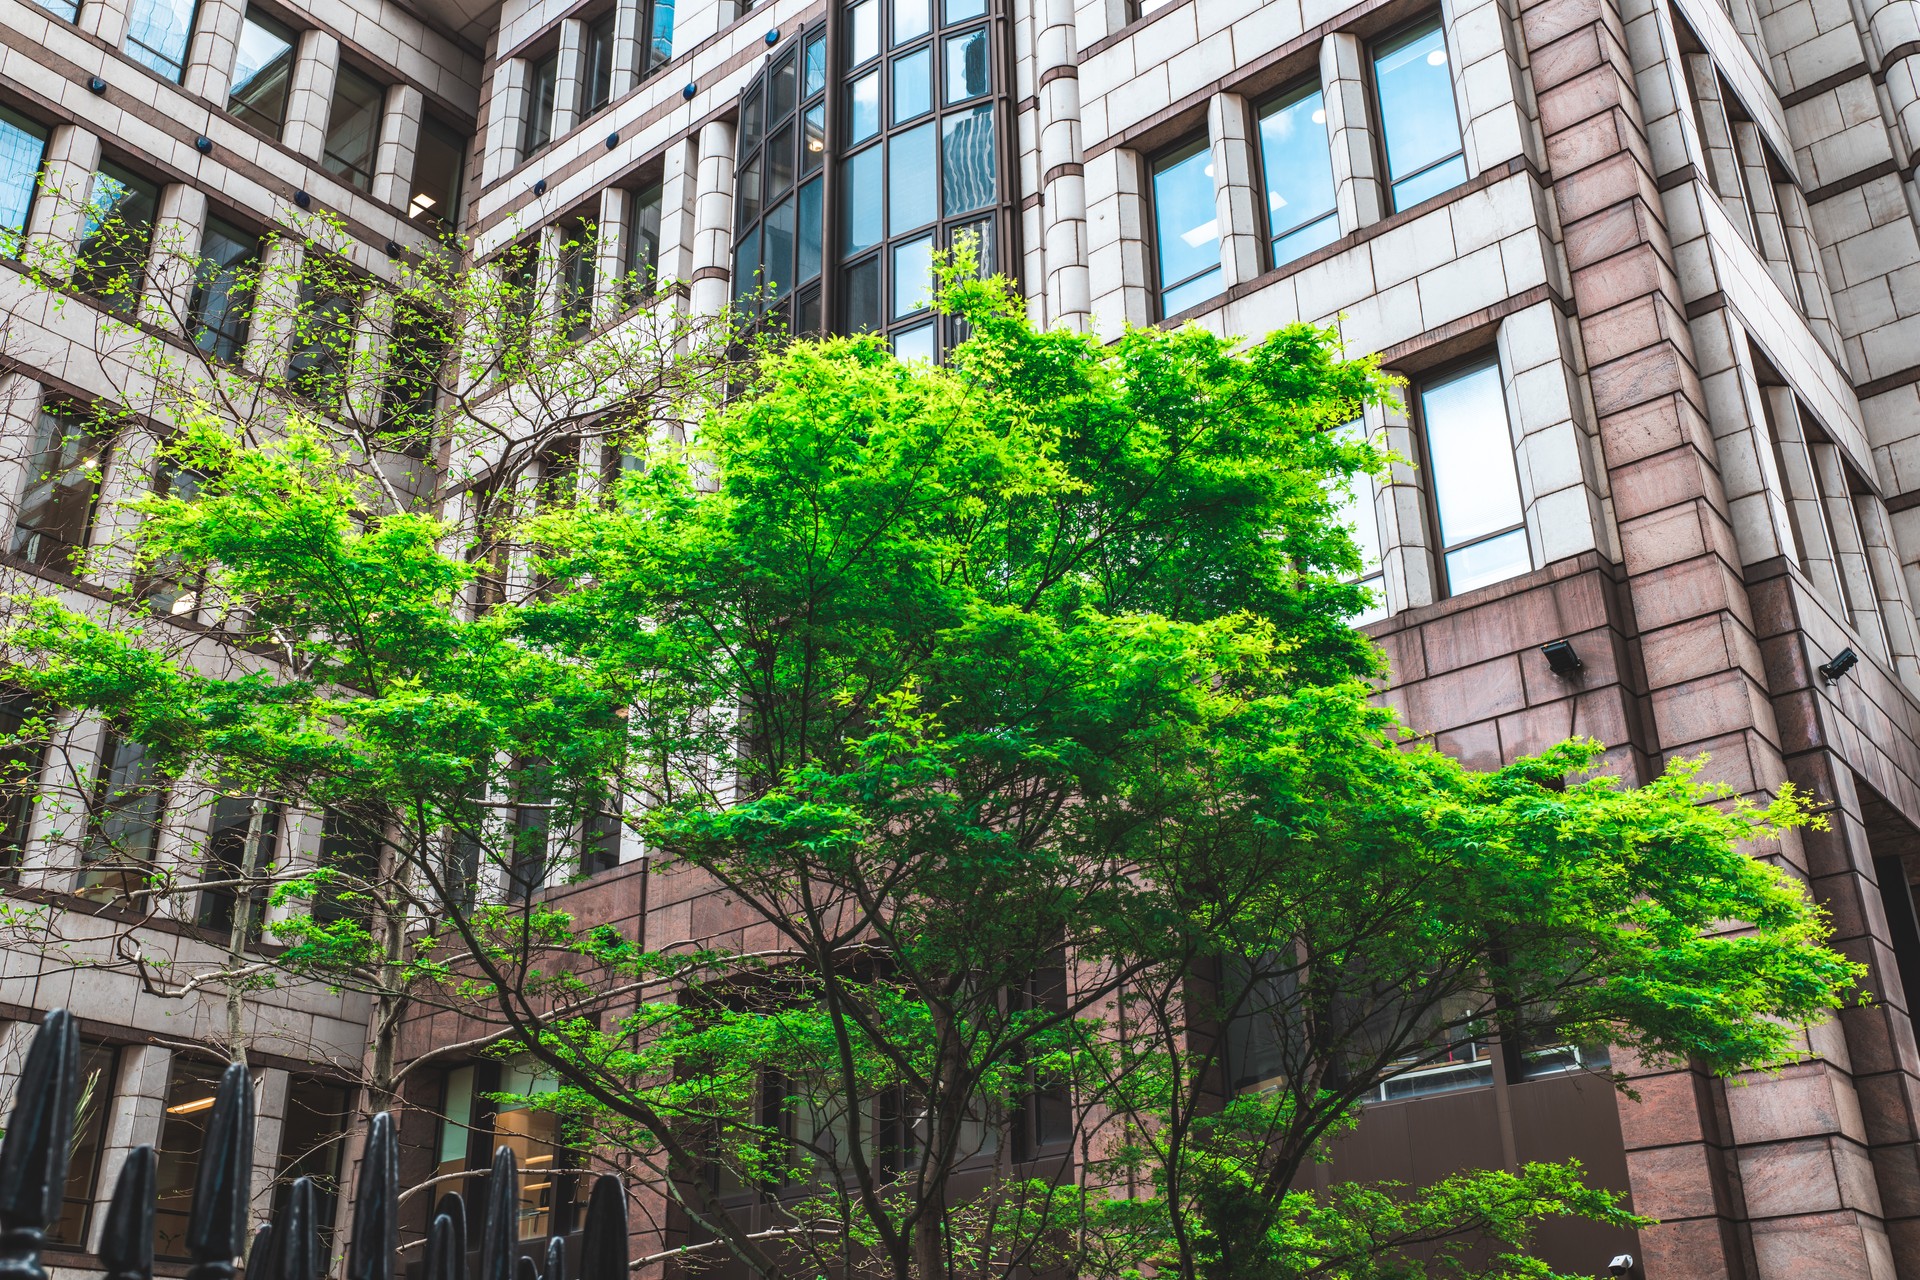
(1622,1264)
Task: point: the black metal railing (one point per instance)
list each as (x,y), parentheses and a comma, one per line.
(33,1172)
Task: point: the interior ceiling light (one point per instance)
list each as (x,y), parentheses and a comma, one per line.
(198,1104)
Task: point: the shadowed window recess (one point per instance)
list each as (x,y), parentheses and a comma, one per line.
(353,128)
(220,310)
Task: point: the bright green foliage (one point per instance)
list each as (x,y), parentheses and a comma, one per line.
(1007,715)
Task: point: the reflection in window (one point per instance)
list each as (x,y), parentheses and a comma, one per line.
(117,237)
(353,129)
(65,10)
(1419,126)
(158,33)
(262,73)
(1475,485)
(129,797)
(23,752)
(536,126)
(780,245)
(99,1072)
(23,145)
(312,1140)
(226,860)
(191,1088)
(486,1106)
(596,65)
(227,272)
(1186,228)
(642,249)
(1298,166)
(165,588)
(1362,517)
(63,481)
(659,34)
(438,158)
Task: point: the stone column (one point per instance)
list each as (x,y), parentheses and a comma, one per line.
(59,209)
(1063,182)
(173,264)
(569,77)
(629,46)
(316,65)
(106,19)
(1230,136)
(1116,241)
(277,300)
(679,193)
(399,140)
(270,1121)
(610,288)
(1894,31)
(139,1111)
(1356,173)
(505,112)
(1406,558)
(1489,86)
(216,42)
(713,221)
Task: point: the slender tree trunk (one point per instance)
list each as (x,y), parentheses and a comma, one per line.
(242,930)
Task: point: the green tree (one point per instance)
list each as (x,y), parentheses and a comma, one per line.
(1000,725)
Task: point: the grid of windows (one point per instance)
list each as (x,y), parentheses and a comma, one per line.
(781,187)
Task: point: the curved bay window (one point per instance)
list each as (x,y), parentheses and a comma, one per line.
(863,151)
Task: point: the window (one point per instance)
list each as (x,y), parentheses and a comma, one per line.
(192,1085)
(23,146)
(658,33)
(1186,227)
(65,10)
(117,237)
(438,158)
(63,482)
(353,129)
(218,312)
(414,361)
(99,1070)
(642,265)
(158,33)
(527,867)
(226,860)
(1419,128)
(262,73)
(579,243)
(536,127)
(596,65)
(1297,164)
(162,584)
(345,848)
(473,1124)
(23,752)
(323,339)
(1475,484)
(129,798)
(1362,518)
(312,1135)
(777,257)
(603,834)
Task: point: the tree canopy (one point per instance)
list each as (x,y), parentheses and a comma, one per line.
(994,734)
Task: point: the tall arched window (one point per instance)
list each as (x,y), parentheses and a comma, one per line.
(863,150)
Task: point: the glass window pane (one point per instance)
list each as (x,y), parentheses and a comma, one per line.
(660,39)
(536,128)
(353,128)
(98,1075)
(814,137)
(1416,100)
(23,145)
(780,160)
(596,56)
(117,237)
(863,108)
(643,241)
(980,234)
(1470,455)
(912,84)
(914,344)
(746,193)
(912,276)
(809,245)
(63,478)
(1304,240)
(66,11)
(158,32)
(865,214)
(967,65)
(910,185)
(750,122)
(863,296)
(777,250)
(1494,560)
(183,1132)
(911,19)
(863,31)
(816,72)
(229,260)
(1186,227)
(964,10)
(438,159)
(262,74)
(967,177)
(1429,182)
(1296,161)
(746,265)
(781,90)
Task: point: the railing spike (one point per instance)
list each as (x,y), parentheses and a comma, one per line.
(603,1246)
(259,1265)
(126,1237)
(444,1252)
(556,1259)
(217,1227)
(297,1235)
(454,1207)
(498,1229)
(528,1268)
(376,1206)
(39,1138)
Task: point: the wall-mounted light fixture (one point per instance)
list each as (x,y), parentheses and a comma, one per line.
(1843,662)
(1561,658)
